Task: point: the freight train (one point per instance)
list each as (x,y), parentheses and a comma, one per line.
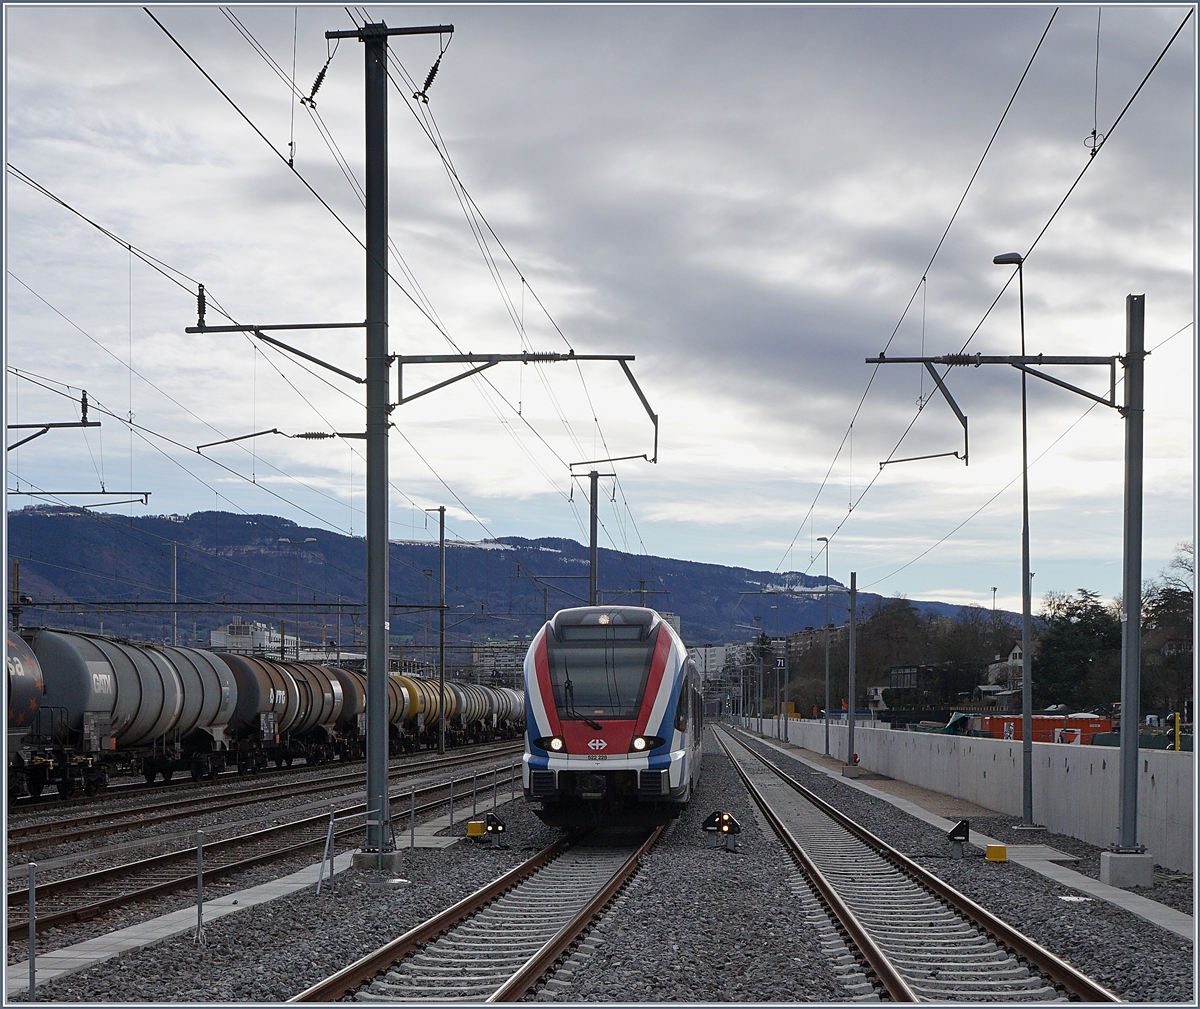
(614,719)
(82,706)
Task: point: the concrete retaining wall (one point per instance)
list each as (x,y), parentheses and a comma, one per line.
(1075,788)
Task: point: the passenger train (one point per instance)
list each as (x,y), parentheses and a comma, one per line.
(82,706)
(613,719)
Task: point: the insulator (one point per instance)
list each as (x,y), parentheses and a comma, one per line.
(423,94)
(432,74)
(200,306)
(318,82)
(83,406)
(314,435)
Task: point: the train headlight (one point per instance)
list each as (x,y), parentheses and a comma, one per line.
(642,744)
(554,744)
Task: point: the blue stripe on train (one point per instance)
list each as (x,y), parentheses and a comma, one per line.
(538,761)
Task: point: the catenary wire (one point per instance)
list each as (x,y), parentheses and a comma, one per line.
(917,288)
(171,273)
(34,379)
(1008,282)
(1040,455)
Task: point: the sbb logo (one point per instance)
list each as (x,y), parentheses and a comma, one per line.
(597,744)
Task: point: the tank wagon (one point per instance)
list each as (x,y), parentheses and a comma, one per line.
(82,706)
(614,719)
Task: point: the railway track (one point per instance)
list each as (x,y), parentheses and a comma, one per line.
(77,898)
(495,945)
(46,833)
(921,939)
(52,803)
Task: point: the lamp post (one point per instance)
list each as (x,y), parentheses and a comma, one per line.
(1017,260)
(758,667)
(778,685)
(297,544)
(825,540)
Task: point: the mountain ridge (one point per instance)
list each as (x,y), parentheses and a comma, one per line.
(497,588)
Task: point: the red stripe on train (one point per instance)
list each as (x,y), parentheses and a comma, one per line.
(541,665)
(658,666)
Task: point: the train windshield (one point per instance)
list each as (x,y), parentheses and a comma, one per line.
(599,671)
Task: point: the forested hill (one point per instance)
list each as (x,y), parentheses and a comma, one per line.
(496,588)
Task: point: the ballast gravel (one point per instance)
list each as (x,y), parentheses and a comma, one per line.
(1133,958)
(702,924)
(272,951)
(698,923)
(310,793)
(1174,889)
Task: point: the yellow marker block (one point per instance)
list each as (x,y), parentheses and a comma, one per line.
(474,828)
(997,853)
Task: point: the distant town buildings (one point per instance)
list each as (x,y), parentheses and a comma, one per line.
(254,639)
(710,659)
(799,642)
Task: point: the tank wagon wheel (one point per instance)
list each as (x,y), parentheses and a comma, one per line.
(36,781)
(91,787)
(66,788)
(287,760)
(150,772)
(167,771)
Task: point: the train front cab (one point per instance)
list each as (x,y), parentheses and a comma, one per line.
(613,717)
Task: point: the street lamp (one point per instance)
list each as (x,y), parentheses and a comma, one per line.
(1017,260)
(759,669)
(825,540)
(778,702)
(297,544)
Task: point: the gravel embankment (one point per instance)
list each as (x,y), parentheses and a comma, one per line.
(272,951)
(698,923)
(701,924)
(1172,888)
(216,825)
(1135,959)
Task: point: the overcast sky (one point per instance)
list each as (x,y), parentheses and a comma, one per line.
(745,199)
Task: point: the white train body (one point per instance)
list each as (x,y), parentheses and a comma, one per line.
(614,718)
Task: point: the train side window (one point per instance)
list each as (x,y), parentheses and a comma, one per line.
(681,708)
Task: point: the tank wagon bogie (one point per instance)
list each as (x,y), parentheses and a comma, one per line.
(614,719)
(82,706)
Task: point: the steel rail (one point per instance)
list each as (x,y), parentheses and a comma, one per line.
(356,974)
(525,978)
(85,911)
(49,803)
(49,832)
(877,960)
(1017,942)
